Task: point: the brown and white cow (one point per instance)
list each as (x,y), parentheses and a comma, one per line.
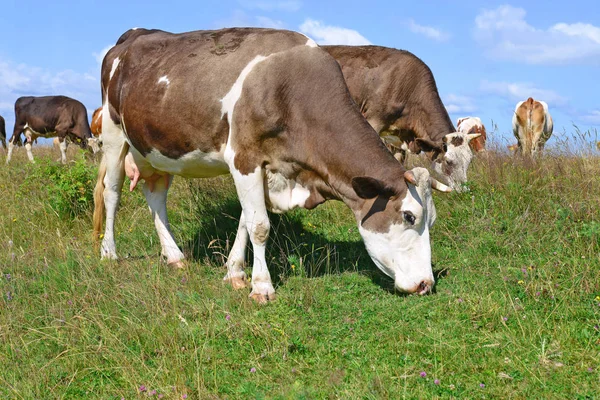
(47,117)
(473,125)
(2,131)
(96,125)
(532,126)
(271,108)
(458,156)
(397,94)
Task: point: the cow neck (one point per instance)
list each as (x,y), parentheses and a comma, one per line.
(363,155)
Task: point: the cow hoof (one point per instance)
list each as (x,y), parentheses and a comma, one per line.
(179,264)
(237,283)
(262,298)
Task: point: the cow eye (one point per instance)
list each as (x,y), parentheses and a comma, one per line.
(409,217)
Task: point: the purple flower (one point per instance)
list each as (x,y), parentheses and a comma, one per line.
(160,396)
(423,374)
(184,396)
(460,300)
(524,271)
(152,393)
(482,385)
(227,317)
(70,302)
(590,369)
(537,293)
(436,382)
(7,276)
(9,296)
(596,327)
(504,319)
(142,388)
(253,370)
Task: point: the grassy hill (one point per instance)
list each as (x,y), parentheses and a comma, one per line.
(515,313)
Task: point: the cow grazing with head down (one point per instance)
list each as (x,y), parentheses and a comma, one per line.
(272,109)
(48,117)
(472,126)
(397,94)
(532,126)
(453,165)
(2,131)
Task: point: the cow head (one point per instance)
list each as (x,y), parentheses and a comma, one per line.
(454,163)
(394,224)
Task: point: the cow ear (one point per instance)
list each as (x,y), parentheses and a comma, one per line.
(428,145)
(369,188)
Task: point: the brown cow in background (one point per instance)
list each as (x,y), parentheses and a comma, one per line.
(532,126)
(2,132)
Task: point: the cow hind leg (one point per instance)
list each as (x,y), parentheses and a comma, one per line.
(63,150)
(235,262)
(251,194)
(156,196)
(110,183)
(29,152)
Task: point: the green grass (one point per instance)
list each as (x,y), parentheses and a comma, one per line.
(516,304)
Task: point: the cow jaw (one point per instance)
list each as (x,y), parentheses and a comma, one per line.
(403,251)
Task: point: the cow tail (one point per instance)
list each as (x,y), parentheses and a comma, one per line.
(99,203)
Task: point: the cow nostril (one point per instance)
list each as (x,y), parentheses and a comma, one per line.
(423,287)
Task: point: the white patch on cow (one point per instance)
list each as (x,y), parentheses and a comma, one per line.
(404,252)
(115,64)
(164,79)
(284,194)
(229,100)
(195,164)
(465,124)
(456,159)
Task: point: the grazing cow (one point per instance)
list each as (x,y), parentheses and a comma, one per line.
(453,165)
(472,125)
(49,116)
(2,132)
(532,126)
(271,108)
(397,94)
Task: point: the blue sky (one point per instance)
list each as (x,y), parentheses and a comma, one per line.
(485,55)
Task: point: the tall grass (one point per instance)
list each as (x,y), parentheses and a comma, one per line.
(515,313)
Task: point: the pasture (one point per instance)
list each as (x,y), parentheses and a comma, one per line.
(515,312)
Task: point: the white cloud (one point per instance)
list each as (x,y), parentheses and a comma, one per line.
(428,31)
(240,18)
(289,5)
(18,80)
(517,91)
(326,34)
(505,34)
(100,55)
(459,104)
(592,117)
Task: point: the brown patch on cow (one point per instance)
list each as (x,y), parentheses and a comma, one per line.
(457,141)
(96,126)
(531,119)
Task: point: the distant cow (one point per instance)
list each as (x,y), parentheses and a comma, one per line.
(271,108)
(2,132)
(532,126)
(453,165)
(471,125)
(397,94)
(47,117)
(97,122)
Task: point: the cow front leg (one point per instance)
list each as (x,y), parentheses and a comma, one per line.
(250,190)
(29,152)
(62,144)
(11,146)
(156,196)
(235,261)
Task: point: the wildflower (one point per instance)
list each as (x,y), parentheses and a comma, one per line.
(597,298)
(504,319)
(590,369)
(152,393)
(482,385)
(460,300)
(10,243)
(9,296)
(253,370)
(293,267)
(524,271)
(142,388)
(436,382)
(537,293)
(452,387)
(521,282)
(184,396)
(227,317)
(14,220)
(7,276)
(160,396)
(423,374)
(596,327)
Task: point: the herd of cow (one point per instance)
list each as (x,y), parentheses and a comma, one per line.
(294,123)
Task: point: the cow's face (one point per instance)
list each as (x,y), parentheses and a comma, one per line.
(454,163)
(395,229)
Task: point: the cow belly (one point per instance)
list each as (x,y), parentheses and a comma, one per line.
(284,194)
(195,164)
(32,135)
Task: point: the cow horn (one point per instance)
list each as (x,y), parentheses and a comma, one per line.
(439,186)
(410,178)
(472,136)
